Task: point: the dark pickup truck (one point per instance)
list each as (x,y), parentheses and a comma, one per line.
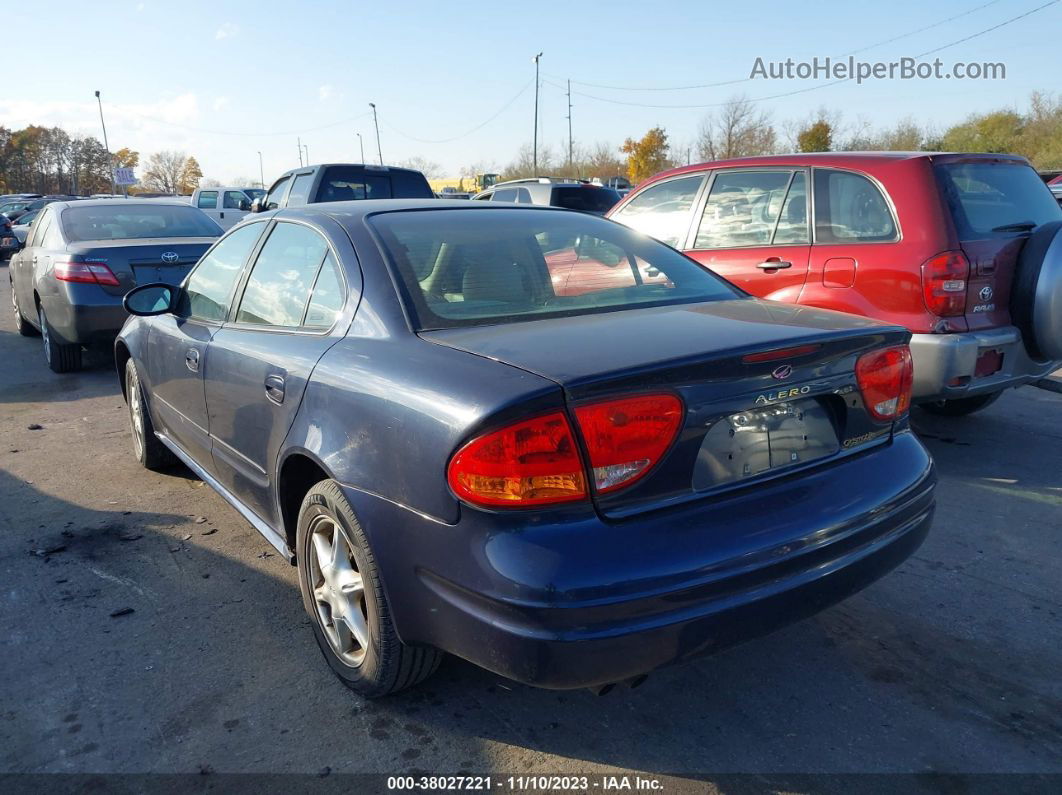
(338,182)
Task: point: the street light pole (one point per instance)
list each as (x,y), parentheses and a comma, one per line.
(298,145)
(261,171)
(307,150)
(106,146)
(534,155)
(376,122)
(361,145)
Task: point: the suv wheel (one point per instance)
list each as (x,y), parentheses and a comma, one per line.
(343,593)
(149,451)
(960,407)
(61,358)
(24,327)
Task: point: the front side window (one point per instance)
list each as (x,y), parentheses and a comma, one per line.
(480,267)
(208,290)
(276,193)
(743,208)
(849,208)
(131,221)
(300,190)
(282,277)
(208,200)
(236,200)
(662,210)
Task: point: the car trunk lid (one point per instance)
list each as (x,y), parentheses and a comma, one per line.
(142,261)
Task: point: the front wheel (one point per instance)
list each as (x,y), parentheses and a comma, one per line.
(343,593)
(960,407)
(149,451)
(61,357)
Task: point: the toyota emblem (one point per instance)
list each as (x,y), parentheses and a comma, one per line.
(782,372)
(170,257)
(986,293)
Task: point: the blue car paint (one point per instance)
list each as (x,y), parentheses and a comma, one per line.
(580,594)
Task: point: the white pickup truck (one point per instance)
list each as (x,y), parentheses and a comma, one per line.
(226,205)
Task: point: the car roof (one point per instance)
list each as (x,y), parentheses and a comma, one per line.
(369,166)
(122,202)
(347,211)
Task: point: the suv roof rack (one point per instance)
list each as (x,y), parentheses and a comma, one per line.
(543,181)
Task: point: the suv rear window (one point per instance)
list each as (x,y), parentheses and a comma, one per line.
(985,197)
(481,266)
(585,198)
(345,183)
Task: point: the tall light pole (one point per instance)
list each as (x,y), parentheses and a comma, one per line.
(307,150)
(106,146)
(261,171)
(534,155)
(298,145)
(376,122)
(361,145)
(570,128)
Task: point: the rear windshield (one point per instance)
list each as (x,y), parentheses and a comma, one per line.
(986,198)
(345,183)
(132,221)
(587,199)
(486,266)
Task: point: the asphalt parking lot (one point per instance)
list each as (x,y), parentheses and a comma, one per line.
(147,627)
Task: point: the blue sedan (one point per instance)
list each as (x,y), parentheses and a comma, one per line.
(528,437)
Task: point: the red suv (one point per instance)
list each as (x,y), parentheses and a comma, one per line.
(962,249)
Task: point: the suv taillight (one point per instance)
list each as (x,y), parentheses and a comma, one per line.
(885,377)
(536,462)
(944,283)
(73,270)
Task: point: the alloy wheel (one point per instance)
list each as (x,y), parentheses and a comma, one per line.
(136,412)
(338,591)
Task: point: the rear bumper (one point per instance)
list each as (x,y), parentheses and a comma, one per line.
(944,364)
(580,602)
(83,313)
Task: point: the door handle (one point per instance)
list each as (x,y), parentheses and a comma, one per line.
(34,260)
(274,387)
(191,360)
(222,215)
(774,265)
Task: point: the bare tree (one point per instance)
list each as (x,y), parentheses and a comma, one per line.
(739,129)
(428,168)
(163,172)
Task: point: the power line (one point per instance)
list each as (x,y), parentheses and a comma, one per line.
(809,88)
(240,133)
(478,127)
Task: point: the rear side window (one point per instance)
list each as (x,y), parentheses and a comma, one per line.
(300,190)
(282,277)
(326,301)
(849,208)
(346,183)
(584,198)
(662,210)
(985,197)
(505,195)
(208,200)
(209,288)
(743,209)
(39,230)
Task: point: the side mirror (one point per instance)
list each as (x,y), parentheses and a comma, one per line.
(148,300)
(257,206)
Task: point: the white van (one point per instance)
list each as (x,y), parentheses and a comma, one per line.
(226,205)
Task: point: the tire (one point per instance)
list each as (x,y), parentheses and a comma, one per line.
(1039,322)
(25,328)
(960,407)
(147,448)
(61,358)
(362,649)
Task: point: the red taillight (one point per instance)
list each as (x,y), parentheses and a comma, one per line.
(627,437)
(885,377)
(944,283)
(84,272)
(529,463)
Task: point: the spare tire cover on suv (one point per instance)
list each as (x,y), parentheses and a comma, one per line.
(1036,294)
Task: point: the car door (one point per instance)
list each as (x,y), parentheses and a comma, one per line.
(177,357)
(262,358)
(753,230)
(234,206)
(209,202)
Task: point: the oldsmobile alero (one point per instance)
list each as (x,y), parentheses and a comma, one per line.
(569,487)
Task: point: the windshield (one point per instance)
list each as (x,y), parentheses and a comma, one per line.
(485,266)
(127,221)
(586,198)
(986,198)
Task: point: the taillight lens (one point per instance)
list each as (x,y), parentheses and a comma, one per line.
(944,283)
(84,272)
(628,436)
(885,377)
(529,463)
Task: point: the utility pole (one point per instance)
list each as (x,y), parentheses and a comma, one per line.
(534,145)
(307,148)
(261,171)
(298,145)
(376,122)
(106,146)
(570,126)
(361,146)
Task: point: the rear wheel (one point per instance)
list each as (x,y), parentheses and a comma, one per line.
(960,407)
(24,327)
(149,451)
(61,357)
(343,593)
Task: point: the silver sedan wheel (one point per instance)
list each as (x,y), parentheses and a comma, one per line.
(136,411)
(338,591)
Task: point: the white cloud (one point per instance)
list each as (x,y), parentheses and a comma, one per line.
(220,103)
(325,93)
(226,31)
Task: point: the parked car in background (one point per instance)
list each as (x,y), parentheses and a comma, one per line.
(22,226)
(81,257)
(569,491)
(1056,191)
(336,182)
(9,242)
(225,205)
(964,250)
(13,208)
(33,204)
(554,192)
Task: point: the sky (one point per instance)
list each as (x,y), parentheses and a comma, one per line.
(453,81)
